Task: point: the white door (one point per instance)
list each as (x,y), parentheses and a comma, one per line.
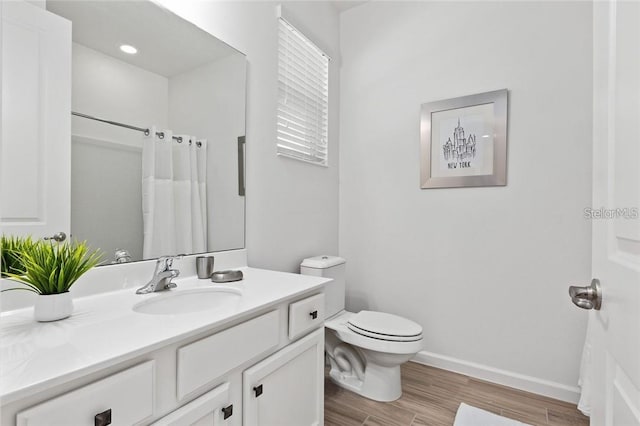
(287,389)
(35,149)
(615,329)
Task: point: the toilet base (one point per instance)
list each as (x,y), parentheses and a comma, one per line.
(363,365)
(379,383)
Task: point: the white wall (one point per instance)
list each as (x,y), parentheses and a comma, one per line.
(292,207)
(484,271)
(109,88)
(40,3)
(106,160)
(209,102)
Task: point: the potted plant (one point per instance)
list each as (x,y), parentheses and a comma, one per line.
(49,269)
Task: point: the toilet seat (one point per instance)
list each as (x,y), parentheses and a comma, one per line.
(339,324)
(384,337)
(383,326)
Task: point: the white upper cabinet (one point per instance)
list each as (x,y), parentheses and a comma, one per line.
(35,149)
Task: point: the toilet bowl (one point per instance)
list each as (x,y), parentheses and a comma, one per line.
(365,355)
(364,349)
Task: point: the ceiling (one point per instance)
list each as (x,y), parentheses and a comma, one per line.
(167,45)
(343,5)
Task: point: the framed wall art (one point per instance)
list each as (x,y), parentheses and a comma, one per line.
(463,141)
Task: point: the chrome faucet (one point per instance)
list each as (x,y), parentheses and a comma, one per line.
(162,276)
(122,256)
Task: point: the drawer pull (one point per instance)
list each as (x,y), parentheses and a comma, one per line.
(228,411)
(103,419)
(258,390)
(314,314)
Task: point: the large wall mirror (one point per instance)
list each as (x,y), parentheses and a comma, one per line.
(158,128)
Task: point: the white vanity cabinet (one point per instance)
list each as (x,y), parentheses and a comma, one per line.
(247,371)
(287,389)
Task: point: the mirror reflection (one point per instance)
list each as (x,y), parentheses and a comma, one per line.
(157,132)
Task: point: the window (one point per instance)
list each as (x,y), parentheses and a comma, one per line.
(303,97)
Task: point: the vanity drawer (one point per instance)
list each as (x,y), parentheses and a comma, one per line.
(212,357)
(128,397)
(306,315)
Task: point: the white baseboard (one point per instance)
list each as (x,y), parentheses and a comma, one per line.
(502,377)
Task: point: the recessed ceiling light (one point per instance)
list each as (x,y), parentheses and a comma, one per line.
(128,49)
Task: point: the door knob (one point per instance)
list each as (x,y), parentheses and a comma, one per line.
(59,237)
(587,297)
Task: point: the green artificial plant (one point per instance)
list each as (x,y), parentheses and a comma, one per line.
(50,268)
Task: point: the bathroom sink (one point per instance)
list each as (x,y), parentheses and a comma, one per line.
(189,301)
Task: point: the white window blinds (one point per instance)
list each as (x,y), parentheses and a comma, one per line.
(303,97)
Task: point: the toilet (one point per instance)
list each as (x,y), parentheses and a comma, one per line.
(365,349)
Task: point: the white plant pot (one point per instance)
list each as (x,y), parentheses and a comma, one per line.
(53,307)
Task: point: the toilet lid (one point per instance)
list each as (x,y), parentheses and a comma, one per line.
(380,325)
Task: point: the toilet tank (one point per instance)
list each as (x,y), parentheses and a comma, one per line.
(334,291)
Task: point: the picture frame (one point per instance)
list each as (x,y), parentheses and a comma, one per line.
(463,141)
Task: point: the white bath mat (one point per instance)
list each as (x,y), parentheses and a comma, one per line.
(472,416)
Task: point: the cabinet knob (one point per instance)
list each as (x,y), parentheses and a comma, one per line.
(258,390)
(227,411)
(103,419)
(314,314)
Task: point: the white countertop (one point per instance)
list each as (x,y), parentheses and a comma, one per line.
(104,330)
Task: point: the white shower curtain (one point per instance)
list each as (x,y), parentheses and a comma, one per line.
(174,200)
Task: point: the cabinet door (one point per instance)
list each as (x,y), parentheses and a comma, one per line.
(35,148)
(287,389)
(212,408)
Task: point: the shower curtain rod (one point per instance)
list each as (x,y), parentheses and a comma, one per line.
(126,126)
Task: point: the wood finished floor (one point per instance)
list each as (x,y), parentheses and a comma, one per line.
(431,397)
